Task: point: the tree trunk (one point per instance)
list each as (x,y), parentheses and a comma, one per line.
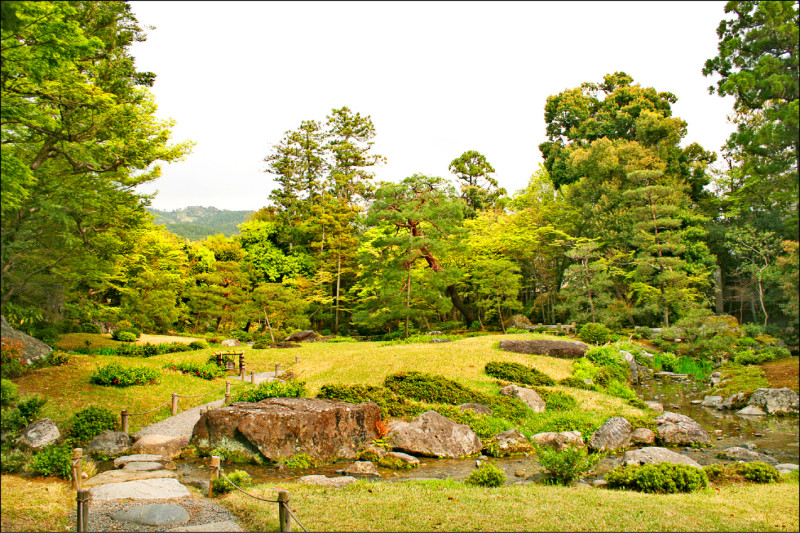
(500,313)
(271,335)
(458,303)
(761,301)
(408,298)
(338,286)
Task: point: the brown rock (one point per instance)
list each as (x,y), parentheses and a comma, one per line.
(643,436)
(278,428)
(561,349)
(361,469)
(615,434)
(307,335)
(120,476)
(559,441)
(655,406)
(477,408)
(510,442)
(529,396)
(680,430)
(433,435)
(159,445)
(656,455)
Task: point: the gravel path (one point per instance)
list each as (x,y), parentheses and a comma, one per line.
(180,425)
(201,511)
(260,377)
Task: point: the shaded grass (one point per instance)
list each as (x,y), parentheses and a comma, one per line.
(35,504)
(71,341)
(453,506)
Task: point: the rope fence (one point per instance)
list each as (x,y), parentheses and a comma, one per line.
(284,513)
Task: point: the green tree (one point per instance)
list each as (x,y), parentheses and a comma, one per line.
(478,188)
(496,282)
(280,305)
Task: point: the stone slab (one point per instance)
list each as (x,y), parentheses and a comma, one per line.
(211,526)
(146,489)
(335,482)
(141,466)
(153,514)
(120,462)
(121,476)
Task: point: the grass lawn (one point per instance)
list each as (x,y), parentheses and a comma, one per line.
(452,506)
(35,504)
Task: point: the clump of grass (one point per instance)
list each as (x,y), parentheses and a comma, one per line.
(739,378)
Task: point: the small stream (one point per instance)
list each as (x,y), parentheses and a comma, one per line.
(771,435)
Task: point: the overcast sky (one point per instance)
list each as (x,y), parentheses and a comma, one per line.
(437,78)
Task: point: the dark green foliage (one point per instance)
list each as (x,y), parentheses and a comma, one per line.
(565,466)
(644,332)
(53,460)
(30,407)
(390,403)
(149,350)
(749,357)
(116,375)
(13,461)
(206,221)
(119,331)
(594,333)
(518,373)
(662,478)
(665,361)
(198,345)
(8,394)
(221,486)
(750,330)
(577,383)
(261,344)
(487,475)
(746,342)
(430,388)
(204,370)
(124,336)
(271,389)
(557,400)
(605,356)
(300,460)
(608,374)
(756,472)
(89,327)
(88,423)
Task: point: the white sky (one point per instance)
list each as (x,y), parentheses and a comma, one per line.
(437,78)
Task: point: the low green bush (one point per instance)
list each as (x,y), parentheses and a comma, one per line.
(755,472)
(221,486)
(8,394)
(390,403)
(565,466)
(117,332)
(198,345)
(429,388)
(201,370)
(662,478)
(750,330)
(261,344)
(746,342)
(53,460)
(57,358)
(609,373)
(665,361)
(620,390)
(605,356)
(749,357)
(124,336)
(13,461)
(583,368)
(30,407)
(556,400)
(578,383)
(116,375)
(644,332)
(88,423)
(518,373)
(487,475)
(594,333)
(271,389)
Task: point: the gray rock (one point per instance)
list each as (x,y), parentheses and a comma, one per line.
(743,454)
(224,526)
(518,321)
(306,335)
(655,406)
(390,459)
(230,343)
(140,466)
(39,434)
(146,489)
(734,401)
(615,434)
(32,348)
(561,349)
(528,396)
(680,430)
(361,469)
(749,445)
(120,462)
(437,341)
(168,446)
(632,366)
(715,375)
(433,435)
(109,443)
(774,401)
(751,410)
(153,514)
(656,455)
(121,476)
(643,436)
(559,441)
(597,483)
(712,401)
(787,467)
(664,374)
(335,482)
(478,408)
(510,442)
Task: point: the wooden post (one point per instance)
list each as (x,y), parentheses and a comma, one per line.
(219,358)
(213,468)
(83,510)
(276,370)
(283,511)
(123,416)
(227,392)
(241,362)
(77,468)
(174,403)
(296,359)
(253,377)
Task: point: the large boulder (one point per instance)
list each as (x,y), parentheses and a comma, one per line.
(529,396)
(109,443)
(277,428)
(680,430)
(562,349)
(615,434)
(559,441)
(32,349)
(774,401)
(306,335)
(737,453)
(433,435)
(656,455)
(230,343)
(39,434)
(519,322)
(734,401)
(509,442)
(168,446)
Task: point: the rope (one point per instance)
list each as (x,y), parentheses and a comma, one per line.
(151,410)
(221,473)
(205,394)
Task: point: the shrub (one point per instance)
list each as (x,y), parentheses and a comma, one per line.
(578,383)
(557,400)
(8,394)
(57,358)
(644,332)
(271,389)
(565,466)
(11,352)
(48,333)
(605,356)
(584,369)
(88,423)
(201,370)
(389,402)
(774,353)
(518,373)
(12,462)
(756,472)
(594,333)
(430,388)
(124,336)
(662,478)
(665,361)
(123,330)
(750,330)
(746,342)
(116,375)
(608,374)
(669,334)
(748,357)
(53,460)
(487,475)
(30,407)
(300,460)
(198,345)
(88,327)
(261,344)
(620,390)
(221,486)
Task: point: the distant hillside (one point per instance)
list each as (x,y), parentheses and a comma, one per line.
(196,223)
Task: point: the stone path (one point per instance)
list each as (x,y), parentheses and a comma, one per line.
(180,425)
(260,376)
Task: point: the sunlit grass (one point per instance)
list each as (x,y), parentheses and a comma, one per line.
(38,504)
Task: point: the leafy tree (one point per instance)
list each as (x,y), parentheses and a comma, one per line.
(788,276)
(758,65)
(280,305)
(496,282)
(478,188)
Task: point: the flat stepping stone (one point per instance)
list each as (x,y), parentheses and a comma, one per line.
(153,514)
(121,476)
(145,489)
(336,482)
(120,462)
(211,526)
(141,466)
